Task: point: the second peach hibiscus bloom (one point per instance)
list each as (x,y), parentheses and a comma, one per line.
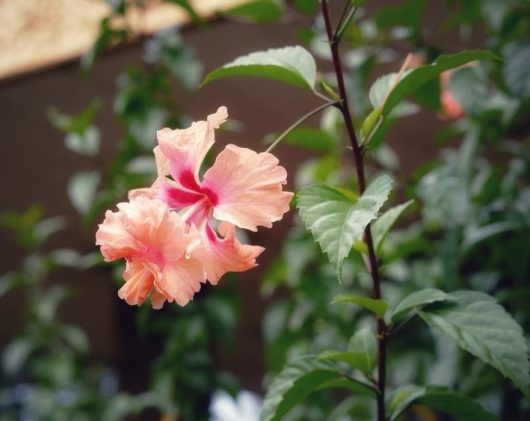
(242,189)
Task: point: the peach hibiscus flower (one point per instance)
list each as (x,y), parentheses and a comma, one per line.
(451,108)
(159,250)
(242,189)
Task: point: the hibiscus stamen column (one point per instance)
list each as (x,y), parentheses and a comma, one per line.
(358,152)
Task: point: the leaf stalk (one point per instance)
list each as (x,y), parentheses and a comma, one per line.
(298,122)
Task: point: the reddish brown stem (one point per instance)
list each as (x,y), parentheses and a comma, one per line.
(358,154)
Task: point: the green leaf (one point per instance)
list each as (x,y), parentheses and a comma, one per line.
(516,75)
(402,398)
(293,65)
(428,95)
(482,327)
(77,123)
(82,189)
(76,338)
(65,257)
(90,260)
(257,11)
(383,224)
(440,399)
(30,229)
(48,227)
(455,404)
(336,221)
(329,90)
(381,88)
(301,378)
(351,358)
(417,300)
(363,344)
(376,306)
(474,235)
(119,407)
(86,143)
(45,307)
(82,136)
(142,165)
(7,282)
(361,406)
(166,48)
(370,125)
(16,354)
(419,76)
(309,7)
(361,353)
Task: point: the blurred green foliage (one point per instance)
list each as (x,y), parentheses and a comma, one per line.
(467,229)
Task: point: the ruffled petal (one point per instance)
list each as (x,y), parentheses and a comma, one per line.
(247,187)
(179,282)
(152,192)
(225,254)
(159,232)
(181,152)
(139,278)
(113,238)
(157,300)
(162,163)
(159,247)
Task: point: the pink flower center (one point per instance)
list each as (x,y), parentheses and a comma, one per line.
(194,201)
(187,180)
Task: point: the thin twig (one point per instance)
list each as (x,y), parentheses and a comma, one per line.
(298,122)
(322,96)
(344,24)
(372,258)
(345,10)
